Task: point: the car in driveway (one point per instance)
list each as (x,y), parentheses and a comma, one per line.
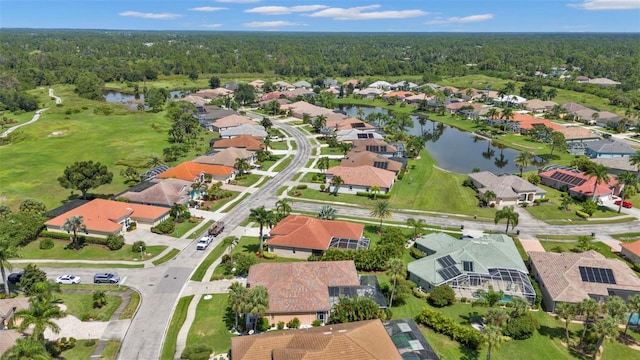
(625,203)
(203,243)
(106,277)
(15,277)
(68,279)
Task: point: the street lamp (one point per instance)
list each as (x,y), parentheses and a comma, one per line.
(141,256)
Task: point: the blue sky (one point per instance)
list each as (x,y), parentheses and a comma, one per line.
(327,15)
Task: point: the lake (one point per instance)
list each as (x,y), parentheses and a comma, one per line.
(132,100)
(455,150)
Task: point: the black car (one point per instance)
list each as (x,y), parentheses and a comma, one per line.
(13,278)
(110,278)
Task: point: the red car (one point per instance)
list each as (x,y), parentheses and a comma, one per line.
(625,203)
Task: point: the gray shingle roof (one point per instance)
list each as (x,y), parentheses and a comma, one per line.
(504,186)
(244,129)
(610,146)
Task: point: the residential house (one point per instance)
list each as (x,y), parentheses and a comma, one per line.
(360,178)
(582,79)
(214,93)
(369,93)
(348,123)
(329,82)
(608,148)
(509,189)
(231,86)
(400,94)
(8,308)
(361,340)
(380,85)
(631,251)
(603,82)
(572,277)
(537,105)
(471,265)
(196,100)
(253,130)
(352,82)
(610,120)
(107,217)
(416,99)
(302,84)
(243,141)
(283,86)
(195,172)
(374,145)
(207,114)
(231,121)
(281,101)
(463,108)
(616,165)
(160,192)
(308,290)
(357,134)
(572,107)
(404,85)
(511,100)
(299,237)
(577,183)
(578,134)
(274,95)
(300,108)
(226,157)
(257,84)
(360,158)
(523,123)
(295,93)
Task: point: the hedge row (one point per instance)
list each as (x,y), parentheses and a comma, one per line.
(582,214)
(371,195)
(465,335)
(81,238)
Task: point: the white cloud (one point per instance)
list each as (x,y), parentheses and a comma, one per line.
(211,26)
(607,5)
(156,16)
(270,24)
(238,1)
(364,13)
(284,10)
(208,8)
(460,20)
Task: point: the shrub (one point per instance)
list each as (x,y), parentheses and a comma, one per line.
(268,255)
(322,187)
(463,300)
(46,244)
(442,295)
(316,323)
(136,246)
(81,238)
(263,324)
(294,323)
(401,174)
(420,294)
(90,342)
(522,327)
(115,242)
(196,352)
(416,253)
(534,179)
(99,299)
(442,324)
(165,227)
(301,186)
(589,207)
(582,214)
(280,325)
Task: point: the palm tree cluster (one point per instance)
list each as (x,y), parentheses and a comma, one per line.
(263,217)
(509,213)
(253,302)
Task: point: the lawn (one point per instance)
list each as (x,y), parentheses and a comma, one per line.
(166,257)
(238,201)
(204,227)
(82,351)
(89,252)
(247,180)
(209,327)
(198,275)
(278,145)
(627,237)
(110,350)
(179,315)
(80,305)
(85,135)
(184,227)
(330,151)
(309,177)
(217,204)
(282,165)
(266,165)
(131,307)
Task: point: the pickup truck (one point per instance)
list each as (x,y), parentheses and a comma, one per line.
(203,243)
(217,228)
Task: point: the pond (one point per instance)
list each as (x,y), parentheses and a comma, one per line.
(455,150)
(132,100)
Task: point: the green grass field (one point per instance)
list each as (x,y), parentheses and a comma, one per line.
(208,327)
(82,351)
(179,315)
(131,307)
(247,180)
(198,275)
(89,252)
(80,305)
(184,227)
(166,257)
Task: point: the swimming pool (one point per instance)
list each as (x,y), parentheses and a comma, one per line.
(634,318)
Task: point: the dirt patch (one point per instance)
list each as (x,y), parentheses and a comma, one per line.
(58,133)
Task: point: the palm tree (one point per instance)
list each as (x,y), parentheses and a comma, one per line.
(552,93)
(27,348)
(345,147)
(628,180)
(494,338)
(396,271)
(237,300)
(375,190)
(417,225)
(72,225)
(283,208)
(599,172)
(266,143)
(633,303)
(323,163)
(422,119)
(7,251)
(635,158)
(616,307)
(242,165)
(496,317)
(493,113)
(522,161)
(381,210)
(565,201)
(40,315)
(488,197)
(319,122)
(507,115)
(519,306)
(264,218)
(566,311)
(607,328)
(327,213)
(336,181)
(257,303)
(154,161)
(510,214)
(589,309)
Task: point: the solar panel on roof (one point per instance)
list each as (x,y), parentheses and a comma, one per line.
(597,275)
(467,265)
(449,272)
(446,261)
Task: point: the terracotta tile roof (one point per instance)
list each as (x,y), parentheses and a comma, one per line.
(577,132)
(633,247)
(243,141)
(225,157)
(299,108)
(361,340)
(561,277)
(8,338)
(528,122)
(364,175)
(352,82)
(348,123)
(233,120)
(461,104)
(399,94)
(311,233)
(359,158)
(537,104)
(579,182)
(191,171)
(103,215)
(270,96)
(302,287)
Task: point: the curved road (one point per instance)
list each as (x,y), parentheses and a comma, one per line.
(35,118)
(161,286)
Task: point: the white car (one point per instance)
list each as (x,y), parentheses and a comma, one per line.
(68,279)
(203,243)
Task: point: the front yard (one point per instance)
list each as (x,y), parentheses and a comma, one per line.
(89,252)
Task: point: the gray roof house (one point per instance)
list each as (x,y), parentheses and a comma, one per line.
(257,131)
(302,84)
(160,192)
(608,149)
(356,134)
(470,266)
(509,189)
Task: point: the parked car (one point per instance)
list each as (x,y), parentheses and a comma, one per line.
(13,278)
(625,203)
(203,243)
(274,138)
(111,278)
(68,279)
